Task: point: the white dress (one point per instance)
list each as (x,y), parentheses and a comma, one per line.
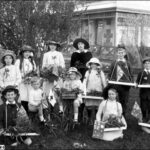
(24,88)
(9,75)
(52,58)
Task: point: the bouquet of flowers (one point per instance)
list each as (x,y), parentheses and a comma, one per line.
(51,72)
(113,121)
(28,76)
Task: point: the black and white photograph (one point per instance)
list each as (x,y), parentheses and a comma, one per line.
(74,74)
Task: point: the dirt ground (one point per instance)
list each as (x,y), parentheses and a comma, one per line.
(134,137)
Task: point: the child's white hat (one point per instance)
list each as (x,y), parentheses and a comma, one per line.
(73,69)
(93,60)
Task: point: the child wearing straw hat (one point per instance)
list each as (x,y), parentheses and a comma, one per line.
(73,83)
(9,74)
(8,117)
(27,67)
(94,82)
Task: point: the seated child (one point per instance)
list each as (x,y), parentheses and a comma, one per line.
(110,109)
(35,98)
(73,83)
(8,115)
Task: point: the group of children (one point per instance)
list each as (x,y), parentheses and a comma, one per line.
(85,76)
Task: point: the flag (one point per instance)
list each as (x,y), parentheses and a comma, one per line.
(119,73)
(136,111)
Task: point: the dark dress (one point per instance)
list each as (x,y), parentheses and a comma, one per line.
(144,78)
(79,61)
(123,90)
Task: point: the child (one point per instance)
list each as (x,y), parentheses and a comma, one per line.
(26,65)
(9,74)
(54,61)
(8,115)
(144,78)
(35,98)
(110,108)
(120,71)
(94,82)
(80,57)
(94,79)
(71,84)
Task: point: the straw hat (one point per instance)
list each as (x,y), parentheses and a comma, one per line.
(73,69)
(10,53)
(146,59)
(10,87)
(26,48)
(93,60)
(75,43)
(49,42)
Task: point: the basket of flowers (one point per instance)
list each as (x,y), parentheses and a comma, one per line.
(109,129)
(69,94)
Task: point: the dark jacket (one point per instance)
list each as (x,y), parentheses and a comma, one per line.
(144,78)
(127,76)
(79,61)
(8,115)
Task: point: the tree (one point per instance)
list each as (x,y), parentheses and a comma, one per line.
(34,22)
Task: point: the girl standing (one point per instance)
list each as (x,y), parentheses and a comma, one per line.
(80,57)
(27,66)
(53,60)
(9,74)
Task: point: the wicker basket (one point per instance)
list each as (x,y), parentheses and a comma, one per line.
(69,95)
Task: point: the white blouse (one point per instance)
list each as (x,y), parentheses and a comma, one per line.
(9,75)
(107,108)
(94,81)
(53,57)
(26,67)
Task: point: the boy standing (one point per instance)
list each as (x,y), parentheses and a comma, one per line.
(120,71)
(144,78)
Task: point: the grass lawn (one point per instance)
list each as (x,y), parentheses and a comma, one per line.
(134,137)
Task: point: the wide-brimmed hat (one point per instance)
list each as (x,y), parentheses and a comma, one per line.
(10,88)
(10,53)
(26,48)
(49,42)
(95,61)
(73,69)
(145,59)
(75,43)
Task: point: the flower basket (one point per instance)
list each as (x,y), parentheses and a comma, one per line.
(109,133)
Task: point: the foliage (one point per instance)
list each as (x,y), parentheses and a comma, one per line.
(33,22)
